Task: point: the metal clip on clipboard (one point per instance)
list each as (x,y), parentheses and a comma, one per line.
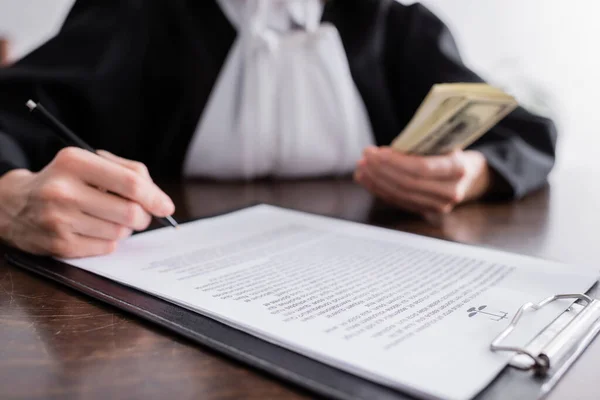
(561,343)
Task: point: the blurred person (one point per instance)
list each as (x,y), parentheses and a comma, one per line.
(237,89)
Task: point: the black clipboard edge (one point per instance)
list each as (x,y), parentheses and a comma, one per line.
(274,360)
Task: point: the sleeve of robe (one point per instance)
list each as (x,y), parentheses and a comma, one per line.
(420,52)
(97,90)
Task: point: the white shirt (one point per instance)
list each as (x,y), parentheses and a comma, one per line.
(285,104)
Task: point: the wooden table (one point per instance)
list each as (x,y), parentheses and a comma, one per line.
(55,343)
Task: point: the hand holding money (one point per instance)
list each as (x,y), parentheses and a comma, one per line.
(423,184)
(425,170)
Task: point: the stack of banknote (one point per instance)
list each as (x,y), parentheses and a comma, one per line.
(453,116)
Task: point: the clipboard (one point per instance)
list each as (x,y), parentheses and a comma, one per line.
(531,374)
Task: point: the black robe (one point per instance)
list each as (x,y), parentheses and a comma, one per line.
(133,77)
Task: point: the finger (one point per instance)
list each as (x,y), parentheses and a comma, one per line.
(111,208)
(399,196)
(74,246)
(445,190)
(364,179)
(136,166)
(92,227)
(449,166)
(100,172)
(81,246)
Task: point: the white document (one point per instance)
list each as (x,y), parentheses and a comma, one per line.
(399,309)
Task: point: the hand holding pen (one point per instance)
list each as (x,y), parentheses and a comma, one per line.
(61,211)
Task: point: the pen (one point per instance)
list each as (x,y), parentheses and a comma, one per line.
(68,135)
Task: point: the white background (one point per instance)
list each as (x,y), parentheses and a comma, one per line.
(543,51)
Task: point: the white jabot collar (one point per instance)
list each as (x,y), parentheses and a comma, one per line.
(280,15)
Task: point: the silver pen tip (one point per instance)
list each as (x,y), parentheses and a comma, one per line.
(172,222)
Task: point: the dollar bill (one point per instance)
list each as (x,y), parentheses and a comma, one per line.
(452,117)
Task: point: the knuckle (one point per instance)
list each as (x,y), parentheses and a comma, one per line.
(57,191)
(459,165)
(460,196)
(455,196)
(68,157)
(111,246)
(447,209)
(424,168)
(443,208)
(133,185)
(140,168)
(134,215)
(461,169)
(147,219)
(52,221)
(121,232)
(135,218)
